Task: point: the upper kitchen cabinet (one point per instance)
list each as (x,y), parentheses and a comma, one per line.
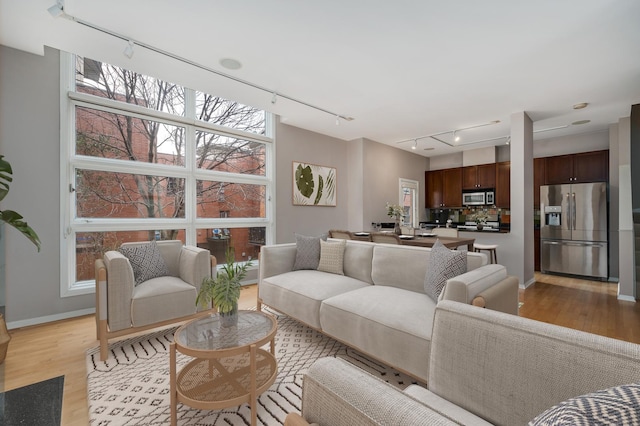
(538,180)
(479,177)
(443,188)
(577,168)
(503,184)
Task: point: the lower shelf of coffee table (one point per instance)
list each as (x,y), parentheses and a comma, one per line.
(224,382)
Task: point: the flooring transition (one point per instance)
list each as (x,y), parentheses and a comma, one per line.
(37,404)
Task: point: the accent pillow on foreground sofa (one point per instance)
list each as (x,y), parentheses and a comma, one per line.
(618,405)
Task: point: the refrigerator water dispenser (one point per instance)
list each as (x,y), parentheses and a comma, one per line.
(553,215)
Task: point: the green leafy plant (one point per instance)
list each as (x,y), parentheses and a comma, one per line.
(9,216)
(223,290)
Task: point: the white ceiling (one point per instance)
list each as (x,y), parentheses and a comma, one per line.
(401,69)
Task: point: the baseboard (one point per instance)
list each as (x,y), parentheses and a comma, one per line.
(50,318)
(626,298)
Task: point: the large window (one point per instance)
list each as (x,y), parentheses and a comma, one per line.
(149,159)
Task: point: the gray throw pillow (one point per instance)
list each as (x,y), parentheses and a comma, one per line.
(146,261)
(307,252)
(443,264)
(619,405)
(332,257)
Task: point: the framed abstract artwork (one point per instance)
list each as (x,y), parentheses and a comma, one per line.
(314,185)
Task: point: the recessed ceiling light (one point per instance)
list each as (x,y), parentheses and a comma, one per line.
(230,63)
(577,123)
(580,105)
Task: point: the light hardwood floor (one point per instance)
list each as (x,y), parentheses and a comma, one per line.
(42,352)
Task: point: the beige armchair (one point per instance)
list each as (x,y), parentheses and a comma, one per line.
(122,307)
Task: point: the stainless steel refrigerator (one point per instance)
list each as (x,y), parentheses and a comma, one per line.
(573,229)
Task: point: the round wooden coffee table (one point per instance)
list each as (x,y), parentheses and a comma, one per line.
(228,368)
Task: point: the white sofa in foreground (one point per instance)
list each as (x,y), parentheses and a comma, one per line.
(487,368)
(379,306)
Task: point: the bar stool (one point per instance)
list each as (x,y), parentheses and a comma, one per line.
(491,248)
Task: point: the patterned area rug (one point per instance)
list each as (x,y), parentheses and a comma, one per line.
(132,388)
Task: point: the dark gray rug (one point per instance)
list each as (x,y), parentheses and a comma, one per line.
(37,404)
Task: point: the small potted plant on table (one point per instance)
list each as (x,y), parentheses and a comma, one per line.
(223,290)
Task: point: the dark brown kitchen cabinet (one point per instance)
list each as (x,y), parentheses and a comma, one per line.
(538,180)
(443,188)
(503,184)
(479,177)
(577,168)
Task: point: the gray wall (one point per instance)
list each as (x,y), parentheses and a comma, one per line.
(30,141)
(368,177)
(295,144)
(383,168)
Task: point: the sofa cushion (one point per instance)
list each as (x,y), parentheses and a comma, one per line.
(146,261)
(300,293)
(332,257)
(357,260)
(443,264)
(619,405)
(378,324)
(307,252)
(160,299)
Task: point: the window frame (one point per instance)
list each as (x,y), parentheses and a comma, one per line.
(69,162)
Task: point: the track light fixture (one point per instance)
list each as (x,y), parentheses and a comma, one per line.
(128,51)
(415,144)
(455,134)
(274,98)
(57,9)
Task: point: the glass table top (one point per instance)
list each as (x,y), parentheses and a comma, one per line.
(208,333)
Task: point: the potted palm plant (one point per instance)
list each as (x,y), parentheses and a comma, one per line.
(223,290)
(14,219)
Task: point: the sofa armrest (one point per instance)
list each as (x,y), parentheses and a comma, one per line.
(195,265)
(501,297)
(295,419)
(119,290)
(464,288)
(336,393)
(276,259)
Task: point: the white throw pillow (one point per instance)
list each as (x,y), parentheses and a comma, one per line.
(443,264)
(332,257)
(146,261)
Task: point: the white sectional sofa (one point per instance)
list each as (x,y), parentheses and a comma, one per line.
(379,306)
(487,368)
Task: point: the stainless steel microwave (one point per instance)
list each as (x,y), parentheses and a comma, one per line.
(478,198)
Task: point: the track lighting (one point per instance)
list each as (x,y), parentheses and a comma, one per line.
(274,98)
(415,144)
(128,51)
(456,136)
(57,9)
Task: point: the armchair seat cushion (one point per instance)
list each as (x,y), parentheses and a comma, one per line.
(160,299)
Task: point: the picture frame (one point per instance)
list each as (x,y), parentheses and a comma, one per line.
(314,185)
